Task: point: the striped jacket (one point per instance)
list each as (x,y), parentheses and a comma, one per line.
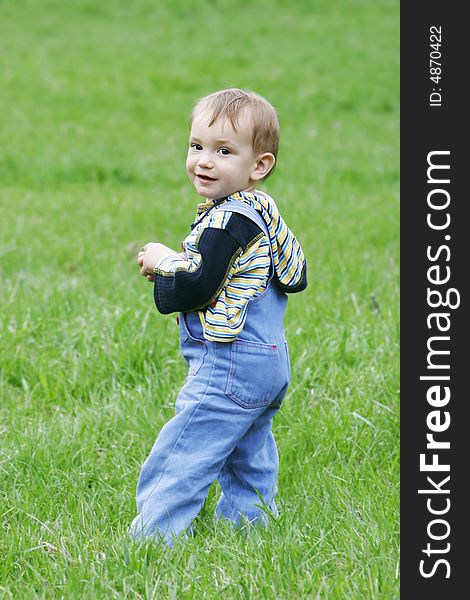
(226,262)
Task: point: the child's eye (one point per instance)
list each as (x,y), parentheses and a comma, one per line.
(196,146)
(224,151)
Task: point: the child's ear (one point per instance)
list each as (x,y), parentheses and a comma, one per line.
(264,164)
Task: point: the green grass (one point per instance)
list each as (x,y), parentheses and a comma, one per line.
(95,99)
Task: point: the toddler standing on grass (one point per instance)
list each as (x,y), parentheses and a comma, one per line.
(229,287)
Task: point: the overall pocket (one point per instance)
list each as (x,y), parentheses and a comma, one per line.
(192,349)
(253,375)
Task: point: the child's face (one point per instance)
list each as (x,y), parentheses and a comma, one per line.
(220,160)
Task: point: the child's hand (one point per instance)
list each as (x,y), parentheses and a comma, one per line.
(148,257)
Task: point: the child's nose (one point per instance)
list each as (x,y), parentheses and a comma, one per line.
(205,160)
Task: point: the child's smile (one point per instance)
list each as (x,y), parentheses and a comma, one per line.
(205,178)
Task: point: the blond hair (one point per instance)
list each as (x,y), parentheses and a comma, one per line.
(229,103)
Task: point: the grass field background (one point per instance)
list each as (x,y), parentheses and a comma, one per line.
(94,103)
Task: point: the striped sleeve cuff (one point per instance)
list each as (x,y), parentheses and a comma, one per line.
(169,263)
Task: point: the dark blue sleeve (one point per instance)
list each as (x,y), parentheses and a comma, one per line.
(219,248)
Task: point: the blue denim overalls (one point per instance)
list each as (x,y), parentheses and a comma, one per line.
(223,424)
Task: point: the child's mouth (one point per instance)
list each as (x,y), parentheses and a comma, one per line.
(205,178)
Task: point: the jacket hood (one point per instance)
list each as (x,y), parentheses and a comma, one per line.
(288,257)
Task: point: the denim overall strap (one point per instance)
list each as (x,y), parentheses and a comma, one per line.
(245,209)
(269,305)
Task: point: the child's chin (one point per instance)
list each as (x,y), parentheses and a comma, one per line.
(207,194)
(211,194)
(204,192)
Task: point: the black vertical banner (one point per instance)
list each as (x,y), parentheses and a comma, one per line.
(435,251)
